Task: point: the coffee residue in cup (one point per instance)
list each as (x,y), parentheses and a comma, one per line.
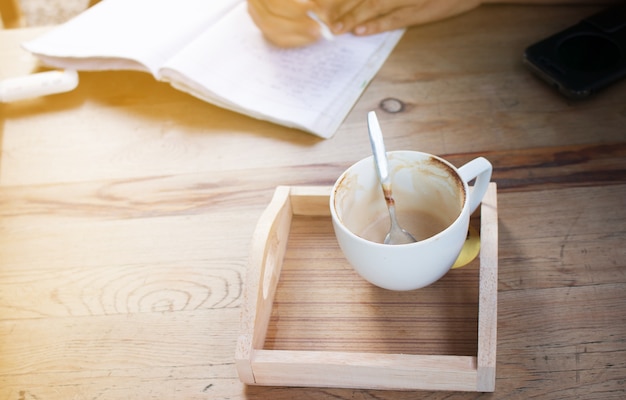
(421,224)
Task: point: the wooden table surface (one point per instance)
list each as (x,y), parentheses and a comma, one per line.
(127,211)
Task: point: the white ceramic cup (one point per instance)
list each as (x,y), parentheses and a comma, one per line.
(432,197)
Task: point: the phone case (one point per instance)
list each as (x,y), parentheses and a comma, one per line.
(582,59)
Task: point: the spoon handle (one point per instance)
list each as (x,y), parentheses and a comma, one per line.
(378,147)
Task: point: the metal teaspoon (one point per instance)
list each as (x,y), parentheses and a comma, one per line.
(396,234)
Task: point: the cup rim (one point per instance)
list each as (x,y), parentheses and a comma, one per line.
(342,226)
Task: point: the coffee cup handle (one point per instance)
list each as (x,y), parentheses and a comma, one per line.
(480,169)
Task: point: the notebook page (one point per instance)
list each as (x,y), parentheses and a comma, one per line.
(346,100)
(232,65)
(127,34)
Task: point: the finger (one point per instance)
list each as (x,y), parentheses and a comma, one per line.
(414,14)
(281,31)
(284,8)
(355,13)
(266,19)
(394,20)
(334,9)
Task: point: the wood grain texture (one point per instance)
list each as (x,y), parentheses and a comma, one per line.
(488,292)
(127,210)
(322,304)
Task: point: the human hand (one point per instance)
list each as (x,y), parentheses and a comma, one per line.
(367,17)
(285,22)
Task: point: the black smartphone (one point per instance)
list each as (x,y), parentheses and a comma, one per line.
(585,57)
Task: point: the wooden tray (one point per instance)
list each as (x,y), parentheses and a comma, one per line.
(309,320)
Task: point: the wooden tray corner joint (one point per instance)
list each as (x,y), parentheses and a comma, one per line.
(259,366)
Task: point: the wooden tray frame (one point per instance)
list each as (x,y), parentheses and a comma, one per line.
(258,366)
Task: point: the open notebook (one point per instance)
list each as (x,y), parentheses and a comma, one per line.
(212,50)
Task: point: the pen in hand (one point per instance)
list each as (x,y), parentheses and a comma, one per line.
(324,29)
